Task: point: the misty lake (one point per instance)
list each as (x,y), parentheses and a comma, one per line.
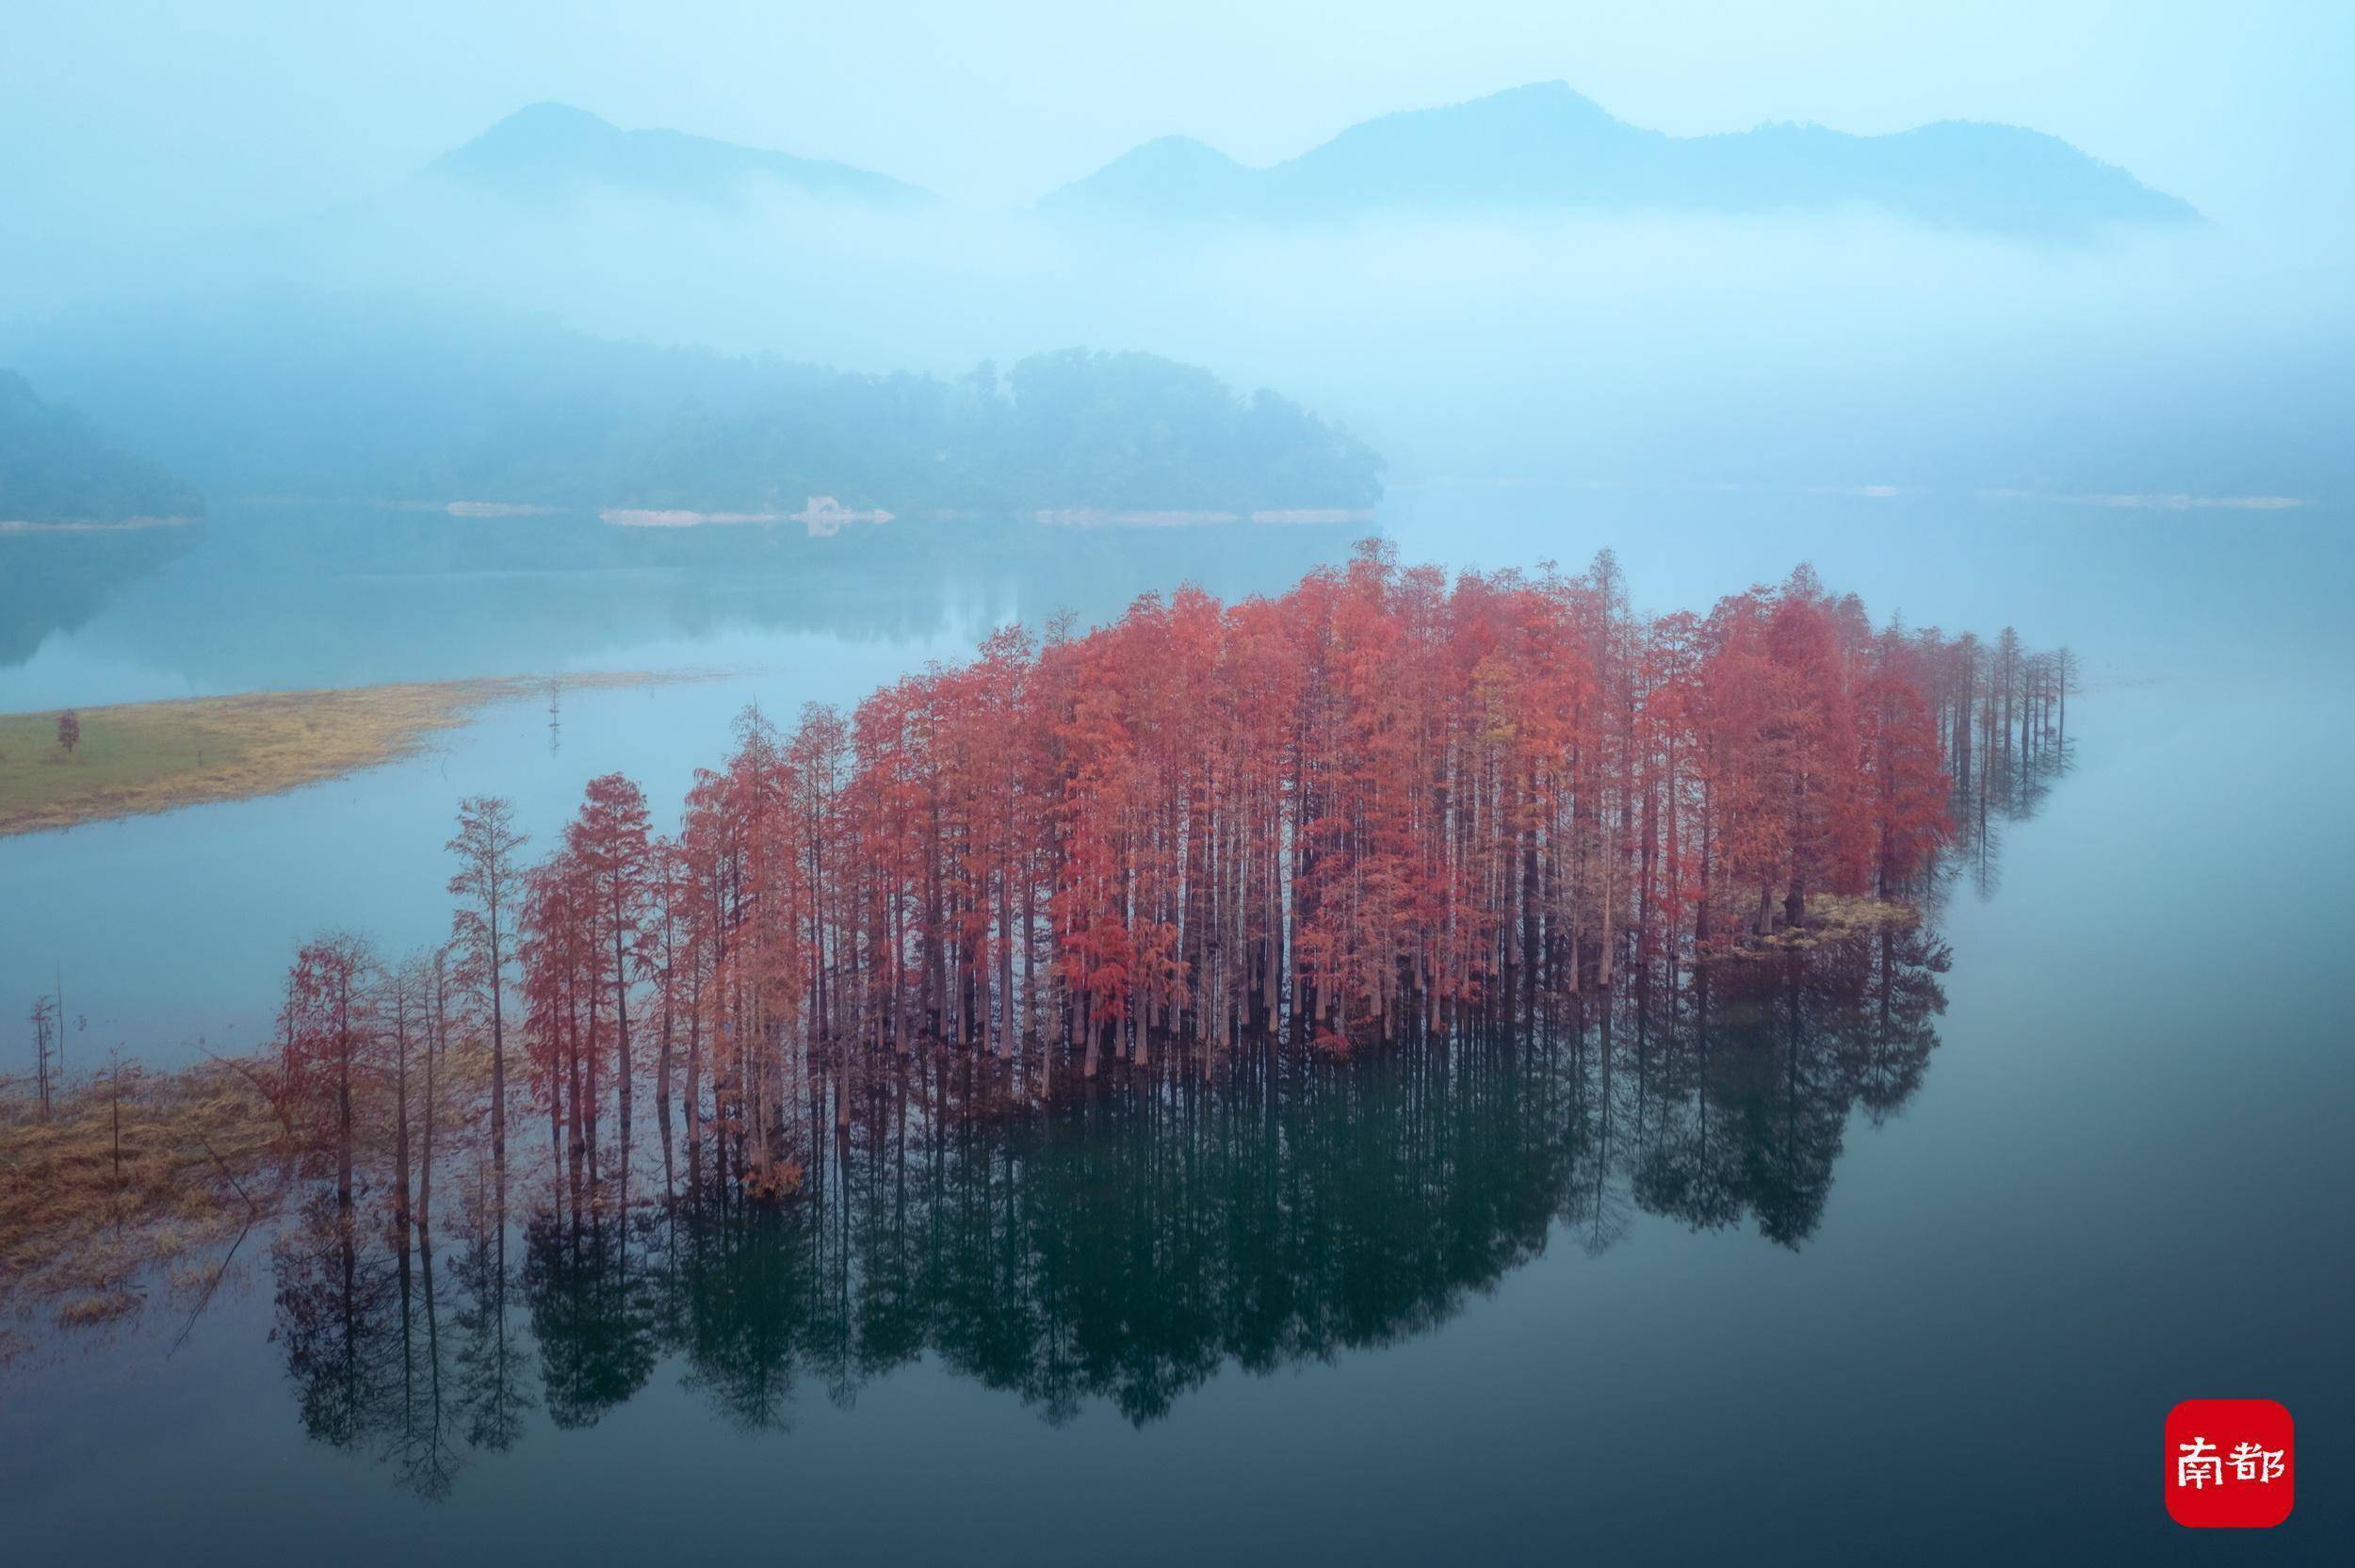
(1827,1242)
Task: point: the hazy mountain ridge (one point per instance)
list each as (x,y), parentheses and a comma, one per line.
(56,467)
(545,150)
(1545,147)
(335,398)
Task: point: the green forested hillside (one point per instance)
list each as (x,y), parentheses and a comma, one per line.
(56,468)
(348,399)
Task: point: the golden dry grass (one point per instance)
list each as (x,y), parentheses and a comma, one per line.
(91,1219)
(84,1211)
(139,757)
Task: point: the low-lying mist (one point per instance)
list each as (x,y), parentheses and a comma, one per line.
(1843,351)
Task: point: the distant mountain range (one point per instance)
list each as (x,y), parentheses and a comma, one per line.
(549,151)
(1545,148)
(1535,149)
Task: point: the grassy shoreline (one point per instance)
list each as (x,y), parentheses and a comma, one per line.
(138,1184)
(139,757)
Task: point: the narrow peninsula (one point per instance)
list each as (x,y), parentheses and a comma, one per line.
(136,757)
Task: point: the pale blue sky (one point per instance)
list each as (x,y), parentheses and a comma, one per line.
(241,109)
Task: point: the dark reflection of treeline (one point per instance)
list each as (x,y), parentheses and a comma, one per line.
(403,1346)
(1122,1245)
(351,595)
(55,581)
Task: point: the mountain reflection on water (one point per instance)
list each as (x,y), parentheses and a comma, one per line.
(266,596)
(1124,1245)
(55,580)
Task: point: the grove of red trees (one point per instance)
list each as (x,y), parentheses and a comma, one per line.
(1383,804)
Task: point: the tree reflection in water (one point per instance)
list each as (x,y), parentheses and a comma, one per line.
(1125,1244)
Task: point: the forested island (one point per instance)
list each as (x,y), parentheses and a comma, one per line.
(1208,848)
(1067,429)
(331,398)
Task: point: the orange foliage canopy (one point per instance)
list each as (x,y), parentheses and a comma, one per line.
(1383,800)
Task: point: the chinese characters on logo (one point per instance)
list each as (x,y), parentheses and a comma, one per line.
(2198,1465)
(2230,1462)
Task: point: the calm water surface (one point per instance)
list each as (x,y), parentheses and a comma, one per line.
(1903,1251)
